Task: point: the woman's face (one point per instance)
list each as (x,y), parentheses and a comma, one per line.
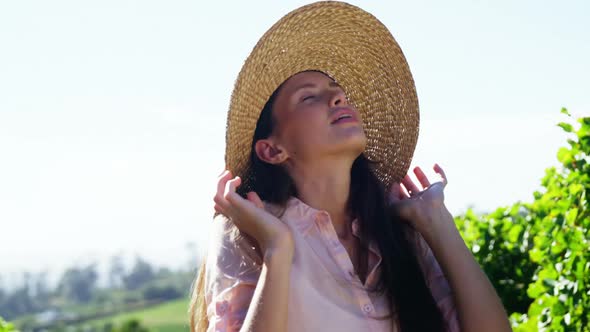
(314,120)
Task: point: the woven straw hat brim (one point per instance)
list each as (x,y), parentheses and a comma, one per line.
(357,51)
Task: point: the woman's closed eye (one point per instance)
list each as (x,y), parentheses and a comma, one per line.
(308,97)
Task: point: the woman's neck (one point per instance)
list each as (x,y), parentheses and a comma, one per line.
(327,188)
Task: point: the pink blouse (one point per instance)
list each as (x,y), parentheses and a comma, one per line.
(325,293)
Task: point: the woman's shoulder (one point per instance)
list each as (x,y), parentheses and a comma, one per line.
(222,229)
(229,248)
(231,253)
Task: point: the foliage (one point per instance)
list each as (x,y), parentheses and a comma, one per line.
(33,304)
(132,325)
(141,273)
(78,284)
(6,327)
(500,243)
(537,254)
(31,295)
(165,293)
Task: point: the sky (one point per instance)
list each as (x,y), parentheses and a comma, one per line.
(112,113)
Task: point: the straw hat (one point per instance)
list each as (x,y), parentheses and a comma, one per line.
(357,51)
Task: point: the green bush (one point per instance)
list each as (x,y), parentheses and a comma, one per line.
(6,326)
(537,254)
(131,325)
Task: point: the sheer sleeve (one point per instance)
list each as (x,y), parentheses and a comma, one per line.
(232,270)
(438,284)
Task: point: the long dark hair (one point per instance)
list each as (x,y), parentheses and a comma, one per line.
(401,277)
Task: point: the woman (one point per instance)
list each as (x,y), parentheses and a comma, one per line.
(317,226)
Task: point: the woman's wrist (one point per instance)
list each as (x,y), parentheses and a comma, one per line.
(439,222)
(279,253)
(281,245)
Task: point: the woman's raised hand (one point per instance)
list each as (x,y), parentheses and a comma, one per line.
(419,204)
(250,216)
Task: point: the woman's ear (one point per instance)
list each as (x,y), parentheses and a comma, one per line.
(267,150)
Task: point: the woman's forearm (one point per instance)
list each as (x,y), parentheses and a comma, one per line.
(268,309)
(479,307)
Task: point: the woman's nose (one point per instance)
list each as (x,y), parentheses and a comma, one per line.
(338,98)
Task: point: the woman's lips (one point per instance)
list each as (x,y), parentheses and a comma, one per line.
(351,119)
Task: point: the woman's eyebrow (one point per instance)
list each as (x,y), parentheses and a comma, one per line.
(313,85)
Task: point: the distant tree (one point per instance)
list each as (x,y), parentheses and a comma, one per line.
(78,284)
(164,272)
(2,298)
(161,292)
(116,271)
(41,291)
(140,274)
(31,295)
(19,301)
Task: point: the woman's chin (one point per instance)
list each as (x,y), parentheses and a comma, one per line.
(355,144)
(358,139)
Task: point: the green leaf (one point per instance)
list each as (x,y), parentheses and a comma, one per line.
(514,233)
(536,255)
(566,127)
(564,111)
(535,290)
(570,216)
(564,155)
(585,128)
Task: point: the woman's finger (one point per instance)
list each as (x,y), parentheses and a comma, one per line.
(221,182)
(230,185)
(410,185)
(403,193)
(421,177)
(230,189)
(219,195)
(440,171)
(254,198)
